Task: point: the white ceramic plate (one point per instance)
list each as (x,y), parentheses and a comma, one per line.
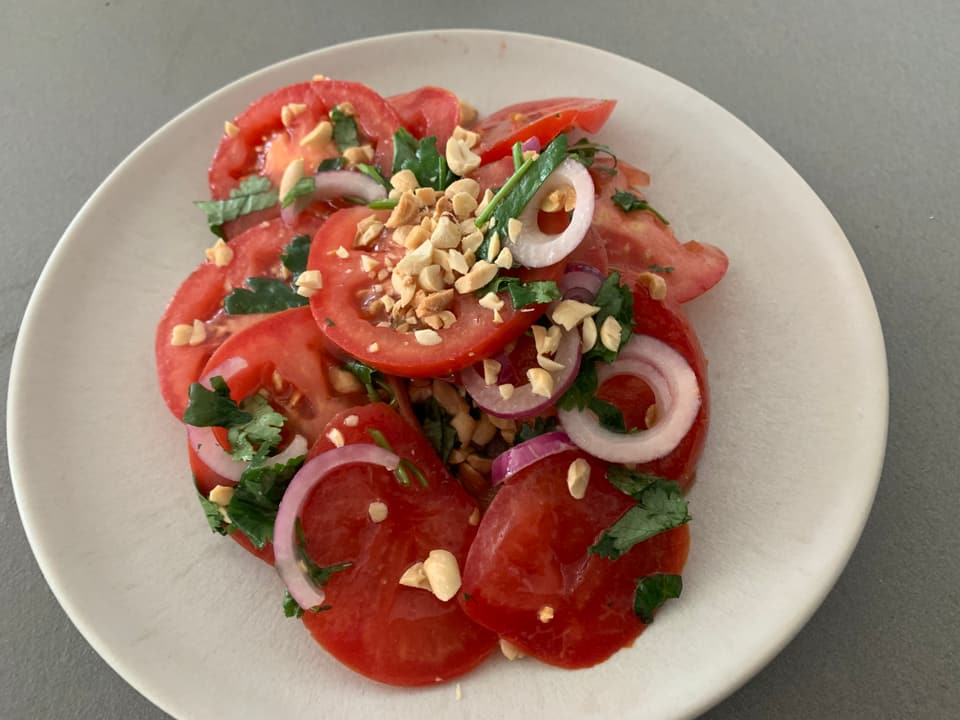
(799,417)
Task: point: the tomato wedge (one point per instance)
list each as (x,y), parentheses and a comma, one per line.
(542,119)
(666,321)
(341,309)
(263,145)
(288,359)
(256,253)
(379,628)
(530,554)
(428,112)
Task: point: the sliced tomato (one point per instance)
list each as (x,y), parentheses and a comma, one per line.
(379,628)
(342,309)
(542,119)
(256,253)
(288,359)
(428,112)
(263,145)
(666,321)
(531,556)
(638,241)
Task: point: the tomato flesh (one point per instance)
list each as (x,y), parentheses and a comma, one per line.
(531,553)
(428,112)
(340,311)
(542,119)
(389,632)
(256,253)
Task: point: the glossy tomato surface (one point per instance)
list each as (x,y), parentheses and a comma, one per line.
(256,253)
(379,628)
(263,145)
(428,112)
(342,309)
(530,558)
(542,119)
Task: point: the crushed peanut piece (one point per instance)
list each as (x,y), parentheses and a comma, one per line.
(377,511)
(352,420)
(514,228)
(309,282)
(427,337)
(578,477)
(491,371)
(373,347)
(404,180)
(483,433)
(415,577)
(548,364)
(431,278)
(610,334)
(493,249)
(570,313)
(320,135)
(510,651)
(220,254)
(291,176)
(588,332)
(464,425)
(357,155)
(342,253)
(336,437)
(230,130)
(460,158)
(343,381)
(405,213)
(545,614)
(368,263)
(506,390)
(650,416)
(655,285)
(221,495)
(541,382)
(469,138)
(290,111)
(443,574)
(504,259)
(480,274)
(446,235)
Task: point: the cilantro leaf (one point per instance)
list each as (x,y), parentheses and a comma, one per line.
(582,390)
(422,159)
(436,426)
(255,193)
(652,592)
(295,254)
(630,482)
(208,408)
(609,415)
(253,507)
(660,507)
(318,574)
(336,163)
(290,606)
(373,172)
(214,517)
(540,426)
(522,294)
(585,152)
(372,380)
(629,202)
(304,186)
(616,301)
(266,295)
(263,430)
(344,130)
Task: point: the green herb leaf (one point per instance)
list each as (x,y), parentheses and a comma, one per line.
(295,254)
(344,130)
(422,159)
(290,607)
(660,268)
(582,390)
(262,431)
(653,591)
(266,295)
(517,155)
(436,426)
(319,575)
(630,482)
(374,173)
(373,381)
(660,507)
(521,293)
(304,186)
(405,467)
(256,498)
(540,426)
(213,408)
(336,163)
(214,517)
(614,300)
(255,193)
(629,202)
(609,415)
(585,152)
(520,194)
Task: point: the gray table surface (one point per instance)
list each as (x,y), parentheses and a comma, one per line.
(862,98)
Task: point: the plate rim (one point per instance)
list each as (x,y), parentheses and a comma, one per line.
(719,691)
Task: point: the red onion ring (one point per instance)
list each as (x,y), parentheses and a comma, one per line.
(531,144)
(677,394)
(333,184)
(523,402)
(580,282)
(534,248)
(285,550)
(205,443)
(525,454)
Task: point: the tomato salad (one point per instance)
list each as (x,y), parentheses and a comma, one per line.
(436,371)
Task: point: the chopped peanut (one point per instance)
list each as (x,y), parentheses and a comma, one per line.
(464,185)
(514,228)
(504,259)
(291,176)
(650,416)
(570,313)
(655,285)
(320,135)
(230,130)
(404,180)
(464,425)
(443,574)
(357,155)
(588,331)
(491,371)
(463,205)
(431,278)
(415,577)
(450,400)
(545,614)
(446,235)
(578,476)
(548,364)
(460,159)
(506,391)
(309,282)
(368,263)
(405,213)
(336,437)
(610,334)
(469,138)
(493,249)
(480,274)
(377,511)
(220,254)
(427,337)
(342,253)
(483,433)
(343,381)
(541,382)
(510,651)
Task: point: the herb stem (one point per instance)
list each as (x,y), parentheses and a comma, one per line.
(517,155)
(502,192)
(386,204)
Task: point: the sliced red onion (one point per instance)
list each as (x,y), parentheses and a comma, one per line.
(531,144)
(677,394)
(534,248)
(527,453)
(334,184)
(523,402)
(205,443)
(285,546)
(580,282)
(508,373)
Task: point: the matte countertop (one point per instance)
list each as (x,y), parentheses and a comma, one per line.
(862,98)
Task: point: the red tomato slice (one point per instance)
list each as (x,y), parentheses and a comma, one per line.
(287,358)
(341,313)
(637,240)
(256,253)
(265,146)
(531,553)
(428,111)
(542,119)
(388,632)
(666,321)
